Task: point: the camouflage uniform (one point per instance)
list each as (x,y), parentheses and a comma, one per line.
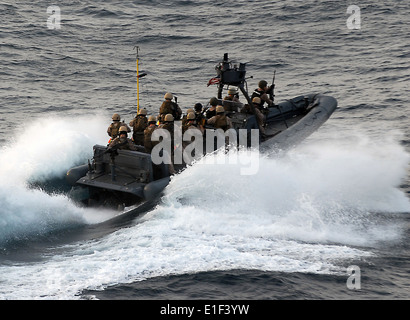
(139,124)
(114,127)
(148,143)
(128,145)
(220,121)
(170,107)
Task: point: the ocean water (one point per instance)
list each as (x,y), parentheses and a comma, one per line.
(327,220)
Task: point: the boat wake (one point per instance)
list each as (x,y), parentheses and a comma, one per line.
(32,173)
(313,209)
(319,192)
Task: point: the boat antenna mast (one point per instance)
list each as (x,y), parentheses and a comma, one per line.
(138,77)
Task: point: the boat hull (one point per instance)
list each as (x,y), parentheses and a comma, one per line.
(318,110)
(127,178)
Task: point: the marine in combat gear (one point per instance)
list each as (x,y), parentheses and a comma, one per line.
(148,143)
(139,124)
(220,120)
(168,106)
(262,92)
(122,142)
(114,127)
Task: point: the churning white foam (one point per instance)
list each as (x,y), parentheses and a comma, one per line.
(305,211)
(47,147)
(44,150)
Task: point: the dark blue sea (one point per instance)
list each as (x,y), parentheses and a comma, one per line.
(327,220)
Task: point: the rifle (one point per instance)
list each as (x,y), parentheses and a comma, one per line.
(113,150)
(272,88)
(272,97)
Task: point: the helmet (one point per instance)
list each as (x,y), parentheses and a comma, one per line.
(256,100)
(142,112)
(198,107)
(169,96)
(152,119)
(169,118)
(262,84)
(116,117)
(213,101)
(220,109)
(232,90)
(190,116)
(123,129)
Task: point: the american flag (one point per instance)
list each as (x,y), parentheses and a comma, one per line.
(215,80)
